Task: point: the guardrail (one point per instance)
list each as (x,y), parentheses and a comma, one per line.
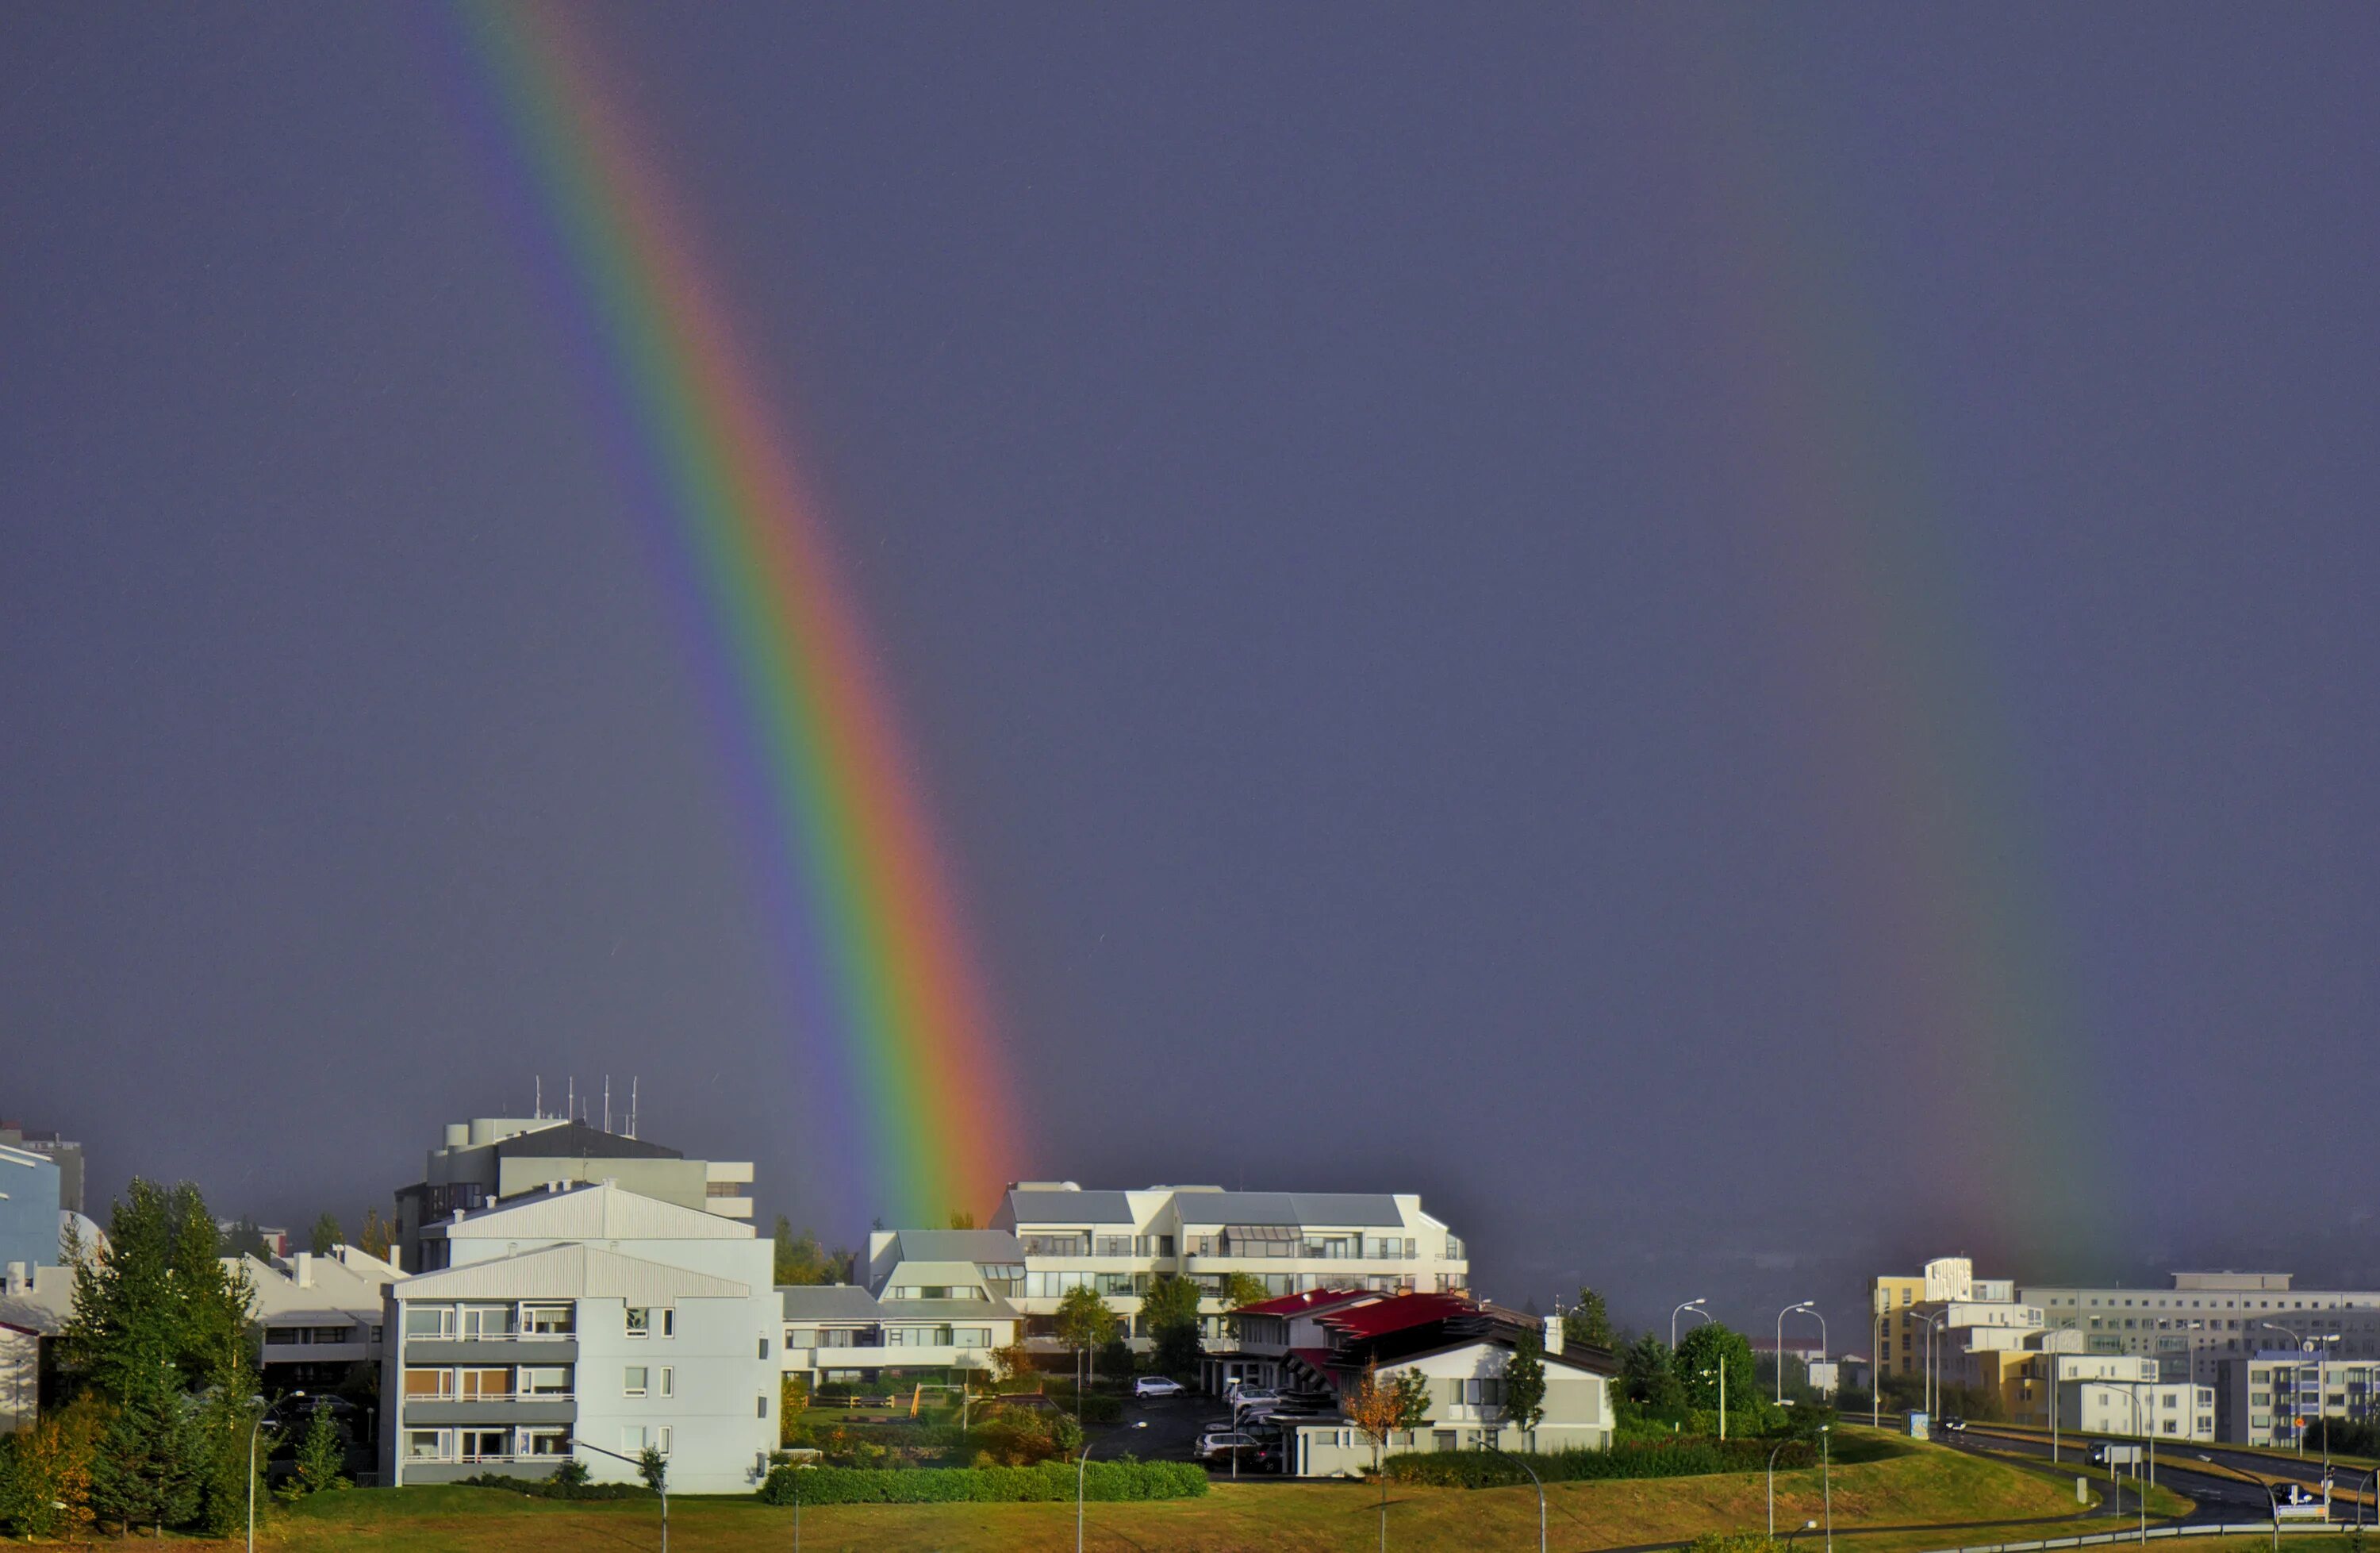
(2094,1539)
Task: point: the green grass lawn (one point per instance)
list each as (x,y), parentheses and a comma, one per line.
(1896,1485)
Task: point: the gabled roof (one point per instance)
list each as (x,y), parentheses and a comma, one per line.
(957,1245)
(600,1211)
(1310,1303)
(1395,1313)
(1030,1206)
(569,1272)
(576,1140)
(1335,1210)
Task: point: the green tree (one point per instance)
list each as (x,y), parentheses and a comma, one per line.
(326,1234)
(321,1452)
(1524,1381)
(1588,1324)
(962,1218)
(244,1239)
(1169,1312)
(1648,1380)
(653,1467)
(1702,1354)
(1085,1324)
(1240,1292)
(801,1260)
(150,1465)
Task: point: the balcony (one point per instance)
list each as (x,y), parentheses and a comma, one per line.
(489,1411)
(513,1348)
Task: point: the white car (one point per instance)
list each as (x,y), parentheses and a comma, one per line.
(1155,1386)
(1248,1397)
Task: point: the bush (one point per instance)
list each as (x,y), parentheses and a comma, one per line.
(564,1485)
(1685,1456)
(1734,1542)
(1048,1482)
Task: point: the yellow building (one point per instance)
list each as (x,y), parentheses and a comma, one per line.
(1903,1305)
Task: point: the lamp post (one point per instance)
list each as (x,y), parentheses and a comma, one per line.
(1827,1479)
(1876,1366)
(661,1481)
(1540,1487)
(1789,1310)
(1933,1366)
(1772,1487)
(1083,1461)
(264,1410)
(1693,1305)
(2297,1403)
(1804,1526)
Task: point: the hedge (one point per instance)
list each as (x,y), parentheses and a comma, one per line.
(1048,1481)
(1682,1457)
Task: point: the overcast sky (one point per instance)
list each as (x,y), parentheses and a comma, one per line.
(1739,644)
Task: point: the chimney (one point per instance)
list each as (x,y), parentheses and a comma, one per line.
(1553,1334)
(458,1215)
(305,1260)
(19,1282)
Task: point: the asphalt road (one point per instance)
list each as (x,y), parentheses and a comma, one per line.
(2218,1498)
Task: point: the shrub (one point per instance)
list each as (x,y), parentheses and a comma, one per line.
(1685,1456)
(564,1485)
(1047,1482)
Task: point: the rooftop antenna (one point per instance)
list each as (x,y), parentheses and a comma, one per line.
(607,1102)
(632,1106)
(537,1102)
(570,1099)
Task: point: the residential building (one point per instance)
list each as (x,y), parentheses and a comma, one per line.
(2064,1388)
(29,1210)
(318,1317)
(934,1308)
(2207,1319)
(34,1305)
(2271,1396)
(494,1159)
(20,1376)
(1118,1243)
(1901,1325)
(1268,1333)
(275,1239)
(1463,1350)
(583,1316)
(64,1151)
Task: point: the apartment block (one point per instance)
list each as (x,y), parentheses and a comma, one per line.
(587,1321)
(934,1308)
(30,1221)
(1118,1243)
(65,1152)
(495,1159)
(2271,1396)
(2207,1319)
(317,1318)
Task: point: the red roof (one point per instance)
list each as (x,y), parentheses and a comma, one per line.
(1396,1312)
(1299,1305)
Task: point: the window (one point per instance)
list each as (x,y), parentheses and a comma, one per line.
(427,1385)
(972,1336)
(549,1321)
(480,1386)
(1444,1440)
(545,1380)
(1165,1245)
(632,1384)
(764,1347)
(762,1411)
(481,1322)
(487,1444)
(546,1442)
(669,1381)
(425,1445)
(635,1437)
(801,1337)
(428,1321)
(640,1322)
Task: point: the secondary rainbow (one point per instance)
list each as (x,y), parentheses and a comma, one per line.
(877,963)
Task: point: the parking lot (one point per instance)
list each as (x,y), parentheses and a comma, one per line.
(1170,1431)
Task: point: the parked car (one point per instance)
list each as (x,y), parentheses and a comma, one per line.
(1247,1396)
(1954,1426)
(1157,1386)
(1216,1444)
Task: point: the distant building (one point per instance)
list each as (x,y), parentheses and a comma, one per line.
(585,1316)
(317,1318)
(65,1152)
(934,1308)
(29,1210)
(275,1239)
(34,1305)
(2272,1396)
(2207,1319)
(494,1159)
(1118,1243)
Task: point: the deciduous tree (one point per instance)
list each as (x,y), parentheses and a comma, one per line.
(1170,1311)
(375,1237)
(1378,1411)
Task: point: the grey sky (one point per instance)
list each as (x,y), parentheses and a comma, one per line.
(1340,493)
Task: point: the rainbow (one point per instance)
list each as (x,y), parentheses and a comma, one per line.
(892,1011)
(1967,994)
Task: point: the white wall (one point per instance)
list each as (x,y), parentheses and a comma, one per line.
(717,1378)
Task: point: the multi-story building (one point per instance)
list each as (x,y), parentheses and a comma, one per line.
(1118,1243)
(317,1318)
(2102,1393)
(493,1159)
(2206,1319)
(1949,1325)
(584,1316)
(934,1309)
(2269,1397)
(30,1221)
(64,1151)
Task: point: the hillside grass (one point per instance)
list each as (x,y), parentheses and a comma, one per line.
(1902,1486)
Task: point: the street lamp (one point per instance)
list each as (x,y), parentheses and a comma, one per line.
(1933,1366)
(660,1480)
(1693,1305)
(1826,1480)
(1540,1486)
(1081,1462)
(1772,1487)
(1804,1526)
(264,1410)
(2297,1403)
(1810,1307)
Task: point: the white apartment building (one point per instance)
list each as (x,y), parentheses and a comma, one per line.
(2268,1398)
(587,1316)
(318,1316)
(1118,1243)
(2207,1318)
(935,1306)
